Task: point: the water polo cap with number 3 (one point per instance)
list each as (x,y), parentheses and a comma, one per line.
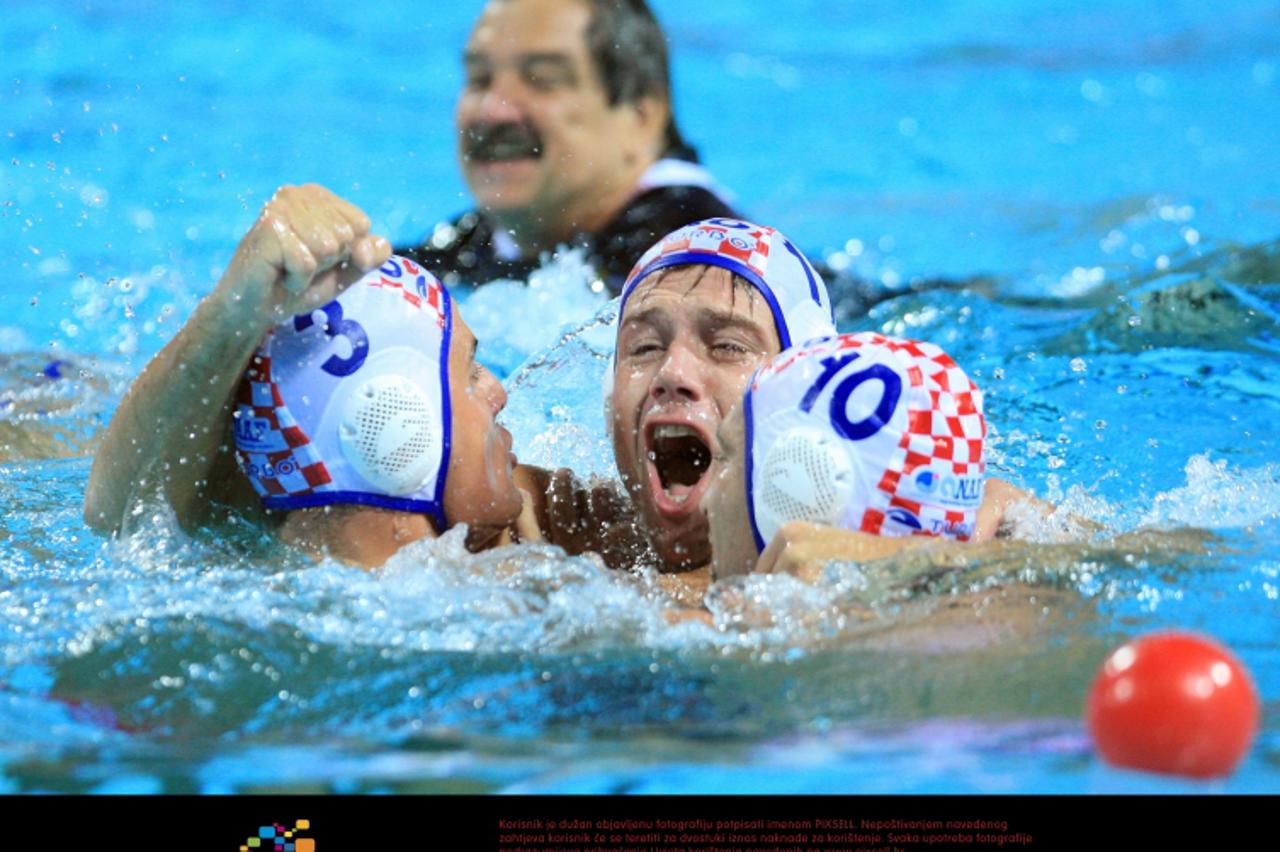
(865,432)
(350,403)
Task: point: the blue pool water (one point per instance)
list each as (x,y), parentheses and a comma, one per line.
(1103,171)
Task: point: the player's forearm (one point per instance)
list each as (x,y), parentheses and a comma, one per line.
(305,247)
(803,549)
(166,433)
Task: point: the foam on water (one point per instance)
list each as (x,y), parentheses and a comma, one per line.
(1219,497)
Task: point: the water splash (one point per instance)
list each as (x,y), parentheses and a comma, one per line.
(514,319)
(1219,496)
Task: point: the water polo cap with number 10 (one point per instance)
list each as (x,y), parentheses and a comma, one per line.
(866,432)
(350,403)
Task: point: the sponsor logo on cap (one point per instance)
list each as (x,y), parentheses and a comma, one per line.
(947,489)
(955,529)
(250,432)
(904,517)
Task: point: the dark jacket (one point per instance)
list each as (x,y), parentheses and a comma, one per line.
(464,251)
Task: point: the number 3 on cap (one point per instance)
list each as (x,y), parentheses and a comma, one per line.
(873,422)
(336,326)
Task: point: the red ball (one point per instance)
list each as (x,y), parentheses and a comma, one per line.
(1175,703)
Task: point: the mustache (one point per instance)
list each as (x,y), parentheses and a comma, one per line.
(505,141)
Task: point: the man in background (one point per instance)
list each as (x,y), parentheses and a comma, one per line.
(566,136)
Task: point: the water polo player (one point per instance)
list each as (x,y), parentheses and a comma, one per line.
(370,423)
(862,432)
(700,311)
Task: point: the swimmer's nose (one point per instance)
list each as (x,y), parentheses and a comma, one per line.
(680,376)
(494,392)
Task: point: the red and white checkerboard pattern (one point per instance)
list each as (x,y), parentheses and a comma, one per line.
(951,430)
(748,245)
(283,461)
(431,295)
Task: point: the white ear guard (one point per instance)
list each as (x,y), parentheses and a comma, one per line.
(390,433)
(804,476)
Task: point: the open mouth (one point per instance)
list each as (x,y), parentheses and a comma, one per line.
(679,459)
(494,143)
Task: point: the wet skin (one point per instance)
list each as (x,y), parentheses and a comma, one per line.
(725,503)
(688,343)
(479,489)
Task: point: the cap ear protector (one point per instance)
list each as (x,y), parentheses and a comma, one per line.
(388,433)
(804,476)
(864,432)
(350,403)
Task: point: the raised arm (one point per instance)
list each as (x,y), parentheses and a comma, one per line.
(171,433)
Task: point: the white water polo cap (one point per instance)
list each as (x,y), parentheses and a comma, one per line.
(794,291)
(350,403)
(866,432)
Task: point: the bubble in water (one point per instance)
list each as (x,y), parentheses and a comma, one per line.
(94,196)
(1078,365)
(1151,85)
